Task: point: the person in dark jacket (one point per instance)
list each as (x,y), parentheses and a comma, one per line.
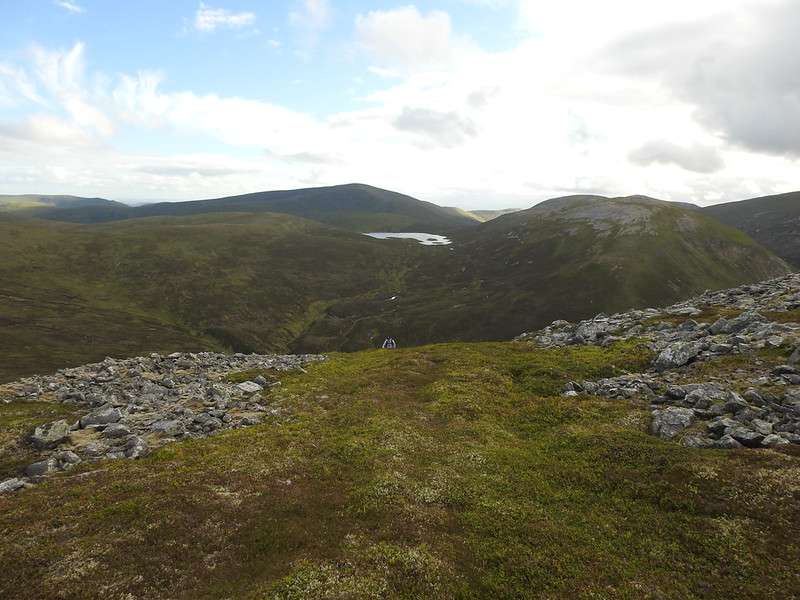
(389,344)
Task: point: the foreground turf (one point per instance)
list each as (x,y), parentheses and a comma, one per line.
(452,471)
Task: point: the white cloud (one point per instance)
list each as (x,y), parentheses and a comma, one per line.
(210,19)
(697,158)
(448,129)
(406,38)
(314,15)
(62,75)
(740,70)
(452,124)
(15,85)
(46,129)
(588,23)
(235,121)
(69,6)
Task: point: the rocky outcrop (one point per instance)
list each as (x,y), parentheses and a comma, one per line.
(755,405)
(134,406)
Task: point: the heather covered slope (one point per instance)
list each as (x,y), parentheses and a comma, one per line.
(488,215)
(262,282)
(586,255)
(566,258)
(774,221)
(71,294)
(42,206)
(452,471)
(355,207)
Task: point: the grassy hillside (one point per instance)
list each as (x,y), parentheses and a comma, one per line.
(773,221)
(71,294)
(355,207)
(449,471)
(488,215)
(568,258)
(42,206)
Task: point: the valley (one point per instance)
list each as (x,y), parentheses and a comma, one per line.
(275,282)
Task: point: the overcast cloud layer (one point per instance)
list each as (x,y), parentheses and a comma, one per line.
(685,101)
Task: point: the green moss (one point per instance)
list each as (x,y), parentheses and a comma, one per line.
(249,375)
(447,471)
(788,316)
(707,315)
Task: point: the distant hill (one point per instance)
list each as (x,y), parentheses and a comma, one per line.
(774,221)
(587,254)
(73,293)
(355,207)
(488,215)
(565,258)
(44,206)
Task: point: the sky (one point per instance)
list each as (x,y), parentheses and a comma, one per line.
(470,103)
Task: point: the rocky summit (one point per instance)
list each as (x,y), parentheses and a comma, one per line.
(131,407)
(719,378)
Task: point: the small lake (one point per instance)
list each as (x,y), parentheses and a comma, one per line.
(426,239)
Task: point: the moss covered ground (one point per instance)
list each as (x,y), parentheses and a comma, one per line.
(446,471)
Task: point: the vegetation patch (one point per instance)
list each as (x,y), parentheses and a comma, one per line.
(447,471)
(17,420)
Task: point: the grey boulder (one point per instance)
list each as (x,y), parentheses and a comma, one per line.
(717,427)
(773,440)
(677,355)
(669,422)
(103,416)
(726,442)
(171,428)
(66,459)
(249,387)
(43,467)
(116,430)
(11,485)
(50,435)
(747,437)
(136,447)
(794,359)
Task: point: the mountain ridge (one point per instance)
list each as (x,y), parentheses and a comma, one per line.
(277,282)
(774,221)
(356,207)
